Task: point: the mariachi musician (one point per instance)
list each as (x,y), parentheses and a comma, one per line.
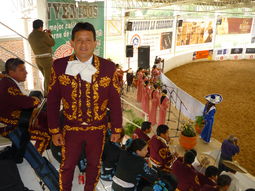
(86,85)
(13,100)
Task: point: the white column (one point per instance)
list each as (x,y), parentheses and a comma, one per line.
(27,56)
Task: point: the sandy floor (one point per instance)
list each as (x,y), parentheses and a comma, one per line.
(235,81)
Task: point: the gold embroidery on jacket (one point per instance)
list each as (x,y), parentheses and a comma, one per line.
(156,162)
(88,102)
(105,81)
(118,130)
(65,104)
(64,80)
(104,105)
(163,153)
(14,91)
(53,79)
(95,88)
(16,114)
(74,95)
(8,121)
(43,137)
(79,103)
(36,102)
(89,128)
(115,82)
(54,131)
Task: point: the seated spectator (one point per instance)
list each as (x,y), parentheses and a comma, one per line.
(142,132)
(233,167)
(229,148)
(110,158)
(132,166)
(185,173)
(223,183)
(160,155)
(210,177)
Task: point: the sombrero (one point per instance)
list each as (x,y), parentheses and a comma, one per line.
(214,98)
(234,166)
(206,160)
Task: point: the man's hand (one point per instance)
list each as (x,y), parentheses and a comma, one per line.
(115,137)
(58,139)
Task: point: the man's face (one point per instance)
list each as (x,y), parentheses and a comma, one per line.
(19,74)
(83,44)
(143,152)
(166,136)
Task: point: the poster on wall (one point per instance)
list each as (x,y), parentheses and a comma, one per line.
(196,32)
(64,14)
(233,25)
(250,51)
(166,40)
(221,51)
(204,54)
(236,51)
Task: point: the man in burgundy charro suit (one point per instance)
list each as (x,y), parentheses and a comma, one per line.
(160,155)
(13,100)
(86,85)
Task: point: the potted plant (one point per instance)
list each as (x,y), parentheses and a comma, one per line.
(188,137)
(129,127)
(199,123)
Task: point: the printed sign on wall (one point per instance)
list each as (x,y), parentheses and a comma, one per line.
(64,14)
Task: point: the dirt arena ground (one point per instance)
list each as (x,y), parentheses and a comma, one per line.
(235,81)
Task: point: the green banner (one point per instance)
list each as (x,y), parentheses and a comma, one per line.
(64,14)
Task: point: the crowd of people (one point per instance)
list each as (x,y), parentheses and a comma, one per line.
(85,86)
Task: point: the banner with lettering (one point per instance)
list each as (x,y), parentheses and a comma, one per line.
(233,25)
(155,33)
(64,14)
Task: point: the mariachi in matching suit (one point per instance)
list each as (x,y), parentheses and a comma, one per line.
(186,175)
(12,102)
(85,121)
(160,155)
(139,134)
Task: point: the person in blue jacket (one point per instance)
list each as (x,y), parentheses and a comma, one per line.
(208,114)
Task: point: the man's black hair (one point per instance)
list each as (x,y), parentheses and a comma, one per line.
(137,144)
(11,64)
(83,26)
(189,157)
(162,129)
(146,125)
(212,171)
(223,180)
(37,24)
